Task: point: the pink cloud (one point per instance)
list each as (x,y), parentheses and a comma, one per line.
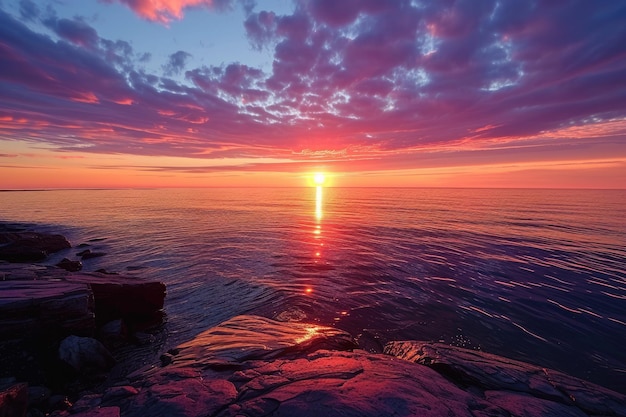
(164,11)
(381,81)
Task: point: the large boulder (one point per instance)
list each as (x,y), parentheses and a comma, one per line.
(116,296)
(85,355)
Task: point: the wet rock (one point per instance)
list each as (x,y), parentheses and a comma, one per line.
(100,412)
(87,403)
(24,246)
(89,254)
(38,396)
(116,393)
(142,338)
(254,366)
(166,359)
(113,333)
(13,399)
(85,355)
(45,309)
(117,296)
(251,337)
(71,266)
(502,376)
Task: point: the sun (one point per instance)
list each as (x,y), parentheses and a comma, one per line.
(319,178)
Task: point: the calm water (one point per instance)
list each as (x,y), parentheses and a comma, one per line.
(536,275)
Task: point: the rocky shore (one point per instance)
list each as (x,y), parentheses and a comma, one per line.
(246,366)
(64,332)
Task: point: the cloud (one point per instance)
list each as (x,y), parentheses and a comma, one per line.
(75,31)
(384,82)
(28,10)
(164,11)
(176,63)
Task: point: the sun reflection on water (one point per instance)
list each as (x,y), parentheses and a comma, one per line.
(318,203)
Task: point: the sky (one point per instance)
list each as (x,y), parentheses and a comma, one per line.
(219,93)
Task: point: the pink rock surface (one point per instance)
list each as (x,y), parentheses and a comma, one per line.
(253,366)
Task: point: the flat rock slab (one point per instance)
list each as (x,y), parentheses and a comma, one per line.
(515,386)
(29,308)
(252,337)
(62,303)
(253,366)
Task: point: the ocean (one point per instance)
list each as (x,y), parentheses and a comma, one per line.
(534,275)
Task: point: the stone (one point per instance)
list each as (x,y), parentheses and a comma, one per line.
(166,359)
(254,366)
(24,246)
(118,297)
(45,309)
(13,400)
(116,393)
(59,402)
(113,333)
(90,255)
(38,396)
(251,337)
(86,403)
(100,412)
(71,266)
(142,338)
(85,355)
(491,372)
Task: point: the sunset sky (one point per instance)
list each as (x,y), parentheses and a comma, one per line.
(175,93)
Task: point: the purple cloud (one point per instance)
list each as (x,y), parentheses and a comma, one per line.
(176,63)
(356,80)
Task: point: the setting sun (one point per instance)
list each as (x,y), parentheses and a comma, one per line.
(319,178)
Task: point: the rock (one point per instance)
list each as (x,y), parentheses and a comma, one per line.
(13,400)
(45,309)
(86,355)
(89,254)
(71,266)
(142,338)
(86,403)
(84,252)
(117,296)
(100,412)
(166,359)
(251,337)
(252,366)
(59,402)
(116,393)
(38,396)
(507,380)
(24,246)
(113,333)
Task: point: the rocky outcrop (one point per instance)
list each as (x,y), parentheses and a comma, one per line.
(42,305)
(512,385)
(53,302)
(42,309)
(26,246)
(253,366)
